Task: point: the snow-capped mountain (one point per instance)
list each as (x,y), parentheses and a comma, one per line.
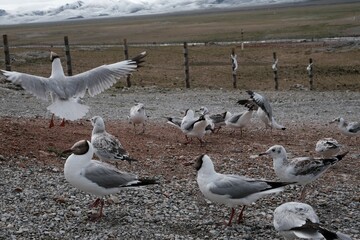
(114,8)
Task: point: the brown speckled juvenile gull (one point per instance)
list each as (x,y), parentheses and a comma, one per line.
(347,128)
(302,170)
(107,147)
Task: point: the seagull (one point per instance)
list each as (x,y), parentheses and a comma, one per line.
(240,120)
(348,129)
(194,127)
(301,170)
(173,121)
(96,177)
(218,120)
(274,65)
(65,90)
(188,121)
(309,68)
(138,116)
(295,220)
(327,147)
(231,190)
(264,111)
(106,146)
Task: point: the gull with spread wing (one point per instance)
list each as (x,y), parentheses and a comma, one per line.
(241,120)
(264,110)
(66,90)
(218,119)
(194,127)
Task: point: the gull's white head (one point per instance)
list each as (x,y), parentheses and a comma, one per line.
(203,110)
(98,124)
(338,119)
(140,105)
(53,56)
(275,151)
(189,113)
(97,121)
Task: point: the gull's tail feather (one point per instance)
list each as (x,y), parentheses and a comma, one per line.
(173,122)
(342,236)
(275,125)
(70,109)
(129,159)
(142,182)
(314,230)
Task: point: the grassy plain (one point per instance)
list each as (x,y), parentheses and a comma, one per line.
(336,64)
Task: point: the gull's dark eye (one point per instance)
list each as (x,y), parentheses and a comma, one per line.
(273,150)
(279,152)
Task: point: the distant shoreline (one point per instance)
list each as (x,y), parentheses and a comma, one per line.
(305,3)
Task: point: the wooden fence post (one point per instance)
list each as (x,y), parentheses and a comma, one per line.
(234,65)
(7,53)
(275,70)
(126,55)
(310,73)
(68,56)
(186,64)
(242,40)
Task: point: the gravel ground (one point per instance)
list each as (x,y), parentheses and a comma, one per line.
(37,202)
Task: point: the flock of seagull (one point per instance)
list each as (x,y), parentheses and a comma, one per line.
(292,219)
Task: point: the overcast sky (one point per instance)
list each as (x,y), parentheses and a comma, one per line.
(11,5)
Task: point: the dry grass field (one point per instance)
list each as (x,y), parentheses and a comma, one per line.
(96,42)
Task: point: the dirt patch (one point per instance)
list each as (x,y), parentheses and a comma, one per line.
(161,150)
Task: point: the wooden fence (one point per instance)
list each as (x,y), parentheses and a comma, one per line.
(233,63)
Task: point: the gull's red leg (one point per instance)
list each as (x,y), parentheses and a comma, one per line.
(231,216)
(52,122)
(241,214)
(62,124)
(99,214)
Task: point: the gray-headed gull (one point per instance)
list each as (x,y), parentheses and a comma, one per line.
(348,129)
(240,120)
(65,90)
(302,170)
(231,190)
(327,147)
(96,177)
(218,120)
(264,111)
(106,146)
(138,116)
(295,220)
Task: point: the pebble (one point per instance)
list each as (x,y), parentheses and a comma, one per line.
(172,210)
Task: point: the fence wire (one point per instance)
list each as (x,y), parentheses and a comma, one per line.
(216,61)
